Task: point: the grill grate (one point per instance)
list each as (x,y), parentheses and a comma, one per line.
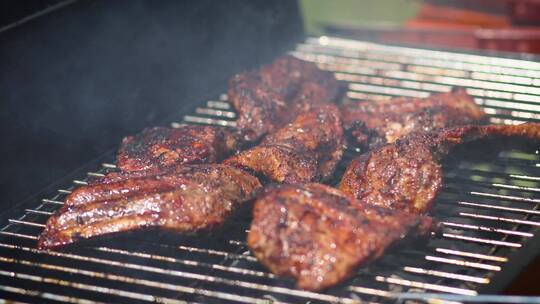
(489,210)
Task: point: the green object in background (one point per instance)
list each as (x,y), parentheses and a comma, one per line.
(317,13)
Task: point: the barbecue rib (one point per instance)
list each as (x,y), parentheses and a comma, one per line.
(270,97)
(319,236)
(407,174)
(184,199)
(372,124)
(157,148)
(304,150)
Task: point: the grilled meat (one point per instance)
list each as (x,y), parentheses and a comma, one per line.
(186,199)
(319,236)
(304,150)
(159,147)
(407,175)
(270,97)
(372,124)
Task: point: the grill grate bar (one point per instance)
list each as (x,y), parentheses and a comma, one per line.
(337,62)
(507,197)
(472,255)
(511,209)
(113,263)
(143,282)
(513,187)
(447,275)
(488,229)
(426,286)
(481,240)
(525,177)
(50,201)
(13,221)
(45,295)
(217,252)
(20,235)
(39,212)
(187,262)
(523,67)
(502,219)
(463,263)
(209,121)
(218,104)
(86,287)
(206,111)
(190,275)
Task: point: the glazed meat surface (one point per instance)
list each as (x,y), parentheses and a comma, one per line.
(305,150)
(371,124)
(271,96)
(318,236)
(157,148)
(184,199)
(407,175)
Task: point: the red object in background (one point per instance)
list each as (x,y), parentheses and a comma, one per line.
(501,25)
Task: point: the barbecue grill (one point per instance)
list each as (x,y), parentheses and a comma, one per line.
(489,211)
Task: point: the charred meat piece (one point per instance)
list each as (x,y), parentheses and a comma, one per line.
(407,175)
(188,199)
(304,150)
(372,124)
(158,147)
(270,97)
(318,236)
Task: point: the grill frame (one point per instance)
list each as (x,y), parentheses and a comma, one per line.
(216,112)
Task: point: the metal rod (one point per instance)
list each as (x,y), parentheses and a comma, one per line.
(487,206)
(477,62)
(481,240)
(463,263)
(192,276)
(39,211)
(187,262)
(209,121)
(88,287)
(45,200)
(26,223)
(498,218)
(143,282)
(46,295)
(219,113)
(488,229)
(447,275)
(426,286)
(217,252)
(507,197)
(218,105)
(472,255)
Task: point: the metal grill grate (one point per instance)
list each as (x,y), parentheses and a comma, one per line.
(489,209)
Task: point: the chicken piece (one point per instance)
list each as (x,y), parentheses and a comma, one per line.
(188,199)
(158,147)
(407,175)
(272,96)
(371,124)
(319,236)
(304,150)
